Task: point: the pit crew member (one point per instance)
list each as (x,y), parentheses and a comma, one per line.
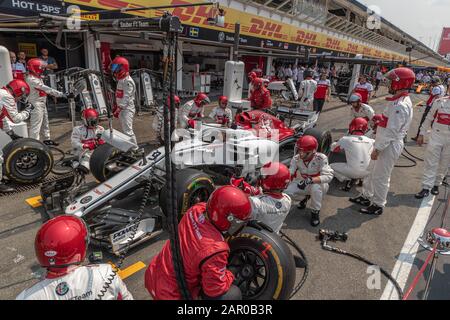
(364,88)
(124,108)
(87,137)
(38,98)
(389,142)
(437,156)
(260,98)
(193,110)
(312,174)
(323,93)
(203,248)
(307,90)
(14,91)
(60,247)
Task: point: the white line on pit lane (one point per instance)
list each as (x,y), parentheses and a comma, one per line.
(408,253)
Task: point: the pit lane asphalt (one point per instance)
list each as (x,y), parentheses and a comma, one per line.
(332,276)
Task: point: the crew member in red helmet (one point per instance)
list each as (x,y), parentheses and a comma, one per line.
(312,175)
(87,137)
(124,108)
(251,76)
(9,96)
(260,96)
(389,143)
(270,205)
(193,110)
(222,114)
(203,248)
(60,246)
(38,98)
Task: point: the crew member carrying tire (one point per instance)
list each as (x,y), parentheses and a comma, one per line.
(312,175)
(269,204)
(437,159)
(87,137)
(260,97)
(437,91)
(61,245)
(364,88)
(222,114)
(38,98)
(308,88)
(389,142)
(9,96)
(124,108)
(357,148)
(193,110)
(203,248)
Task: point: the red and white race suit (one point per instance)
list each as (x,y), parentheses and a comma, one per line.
(205,257)
(437,92)
(38,98)
(317,167)
(271,209)
(357,152)
(364,89)
(8,114)
(158,121)
(437,158)
(82,135)
(222,116)
(125,96)
(260,99)
(306,93)
(190,111)
(389,143)
(364,111)
(82,283)
(322,89)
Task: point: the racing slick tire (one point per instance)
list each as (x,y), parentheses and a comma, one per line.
(263,265)
(27,161)
(101,163)
(193,186)
(323,138)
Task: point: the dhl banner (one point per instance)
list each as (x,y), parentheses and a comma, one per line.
(251,25)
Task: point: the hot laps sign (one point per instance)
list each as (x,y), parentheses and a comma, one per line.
(28,8)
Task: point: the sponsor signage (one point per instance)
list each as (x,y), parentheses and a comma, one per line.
(444,45)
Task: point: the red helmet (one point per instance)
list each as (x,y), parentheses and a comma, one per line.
(355,97)
(223,100)
(36,66)
(61,241)
(400,78)
(201,98)
(18,88)
(252,75)
(120,67)
(90,117)
(307,144)
(275,176)
(227,208)
(257,82)
(176,100)
(358,126)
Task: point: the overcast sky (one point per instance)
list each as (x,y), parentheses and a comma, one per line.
(422,19)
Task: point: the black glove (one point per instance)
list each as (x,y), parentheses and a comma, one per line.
(28,108)
(13,135)
(304,183)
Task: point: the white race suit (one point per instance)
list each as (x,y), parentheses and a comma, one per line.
(271,210)
(125,96)
(81,135)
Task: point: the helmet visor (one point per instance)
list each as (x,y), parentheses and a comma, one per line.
(115,67)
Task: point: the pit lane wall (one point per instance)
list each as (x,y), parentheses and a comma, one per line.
(287,35)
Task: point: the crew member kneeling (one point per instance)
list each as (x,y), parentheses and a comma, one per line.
(87,137)
(193,110)
(357,148)
(269,204)
(222,114)
(9,96)
(203,248)
(312,175)
(61,245)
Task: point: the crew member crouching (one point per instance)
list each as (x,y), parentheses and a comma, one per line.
(222,114)
(193,110)
(312,174)
(357,148)
(87,137)
(203,249)
(269,204)
(61,245)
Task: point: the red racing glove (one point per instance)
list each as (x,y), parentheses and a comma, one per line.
(91,145)
(191,123)
(100,142)
(244,186)
(116,112)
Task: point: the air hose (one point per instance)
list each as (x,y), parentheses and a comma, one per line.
(409,156)
(303,256)
(326,235)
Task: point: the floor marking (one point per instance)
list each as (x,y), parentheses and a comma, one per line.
(408,253)
(34,202)
(129,271)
